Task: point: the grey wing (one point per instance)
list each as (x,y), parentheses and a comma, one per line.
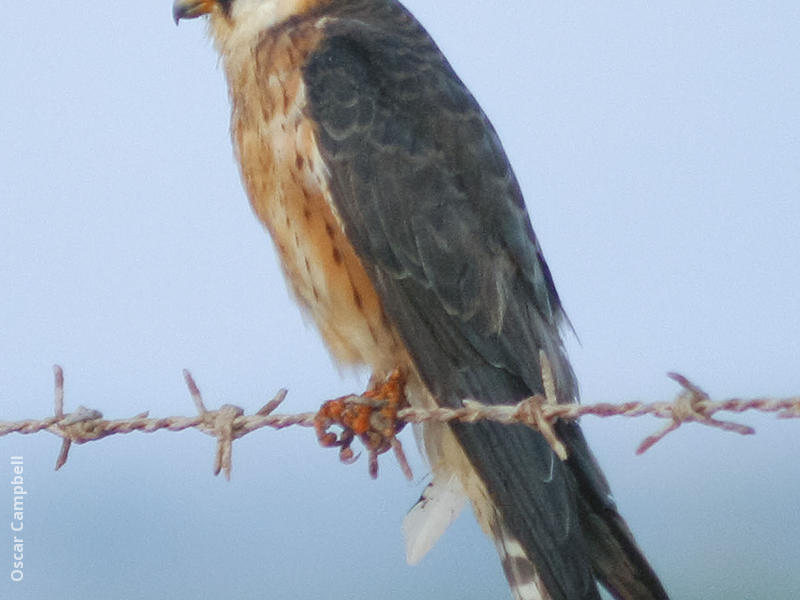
(431,205)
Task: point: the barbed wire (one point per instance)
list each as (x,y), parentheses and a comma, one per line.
(540,412)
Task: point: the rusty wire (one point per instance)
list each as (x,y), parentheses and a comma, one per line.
(540,412)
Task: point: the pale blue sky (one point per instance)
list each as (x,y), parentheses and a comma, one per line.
(659,150)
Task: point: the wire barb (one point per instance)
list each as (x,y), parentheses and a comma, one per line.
(691,405)
(63,453)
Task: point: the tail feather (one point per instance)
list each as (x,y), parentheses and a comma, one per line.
(616,559)
(520,572)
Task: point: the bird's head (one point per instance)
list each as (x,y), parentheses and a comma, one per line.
(240,19)
(239,10)
(191,9)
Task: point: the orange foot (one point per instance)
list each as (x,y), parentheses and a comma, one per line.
(372,417)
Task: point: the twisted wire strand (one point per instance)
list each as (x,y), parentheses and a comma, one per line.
(229,422)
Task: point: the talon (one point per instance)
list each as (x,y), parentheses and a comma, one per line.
(373,465)
(347,456)
(328,440)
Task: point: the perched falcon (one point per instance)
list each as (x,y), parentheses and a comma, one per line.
(403,233)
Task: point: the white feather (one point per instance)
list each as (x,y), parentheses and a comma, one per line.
(523,579)
(438,506)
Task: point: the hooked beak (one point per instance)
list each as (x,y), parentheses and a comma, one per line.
(191,9)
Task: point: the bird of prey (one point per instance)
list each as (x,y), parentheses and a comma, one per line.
(403,233)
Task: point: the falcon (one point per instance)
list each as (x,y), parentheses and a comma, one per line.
(403,234)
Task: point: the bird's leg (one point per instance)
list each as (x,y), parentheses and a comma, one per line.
(387,397)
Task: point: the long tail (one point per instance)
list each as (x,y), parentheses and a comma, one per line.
(616,559)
